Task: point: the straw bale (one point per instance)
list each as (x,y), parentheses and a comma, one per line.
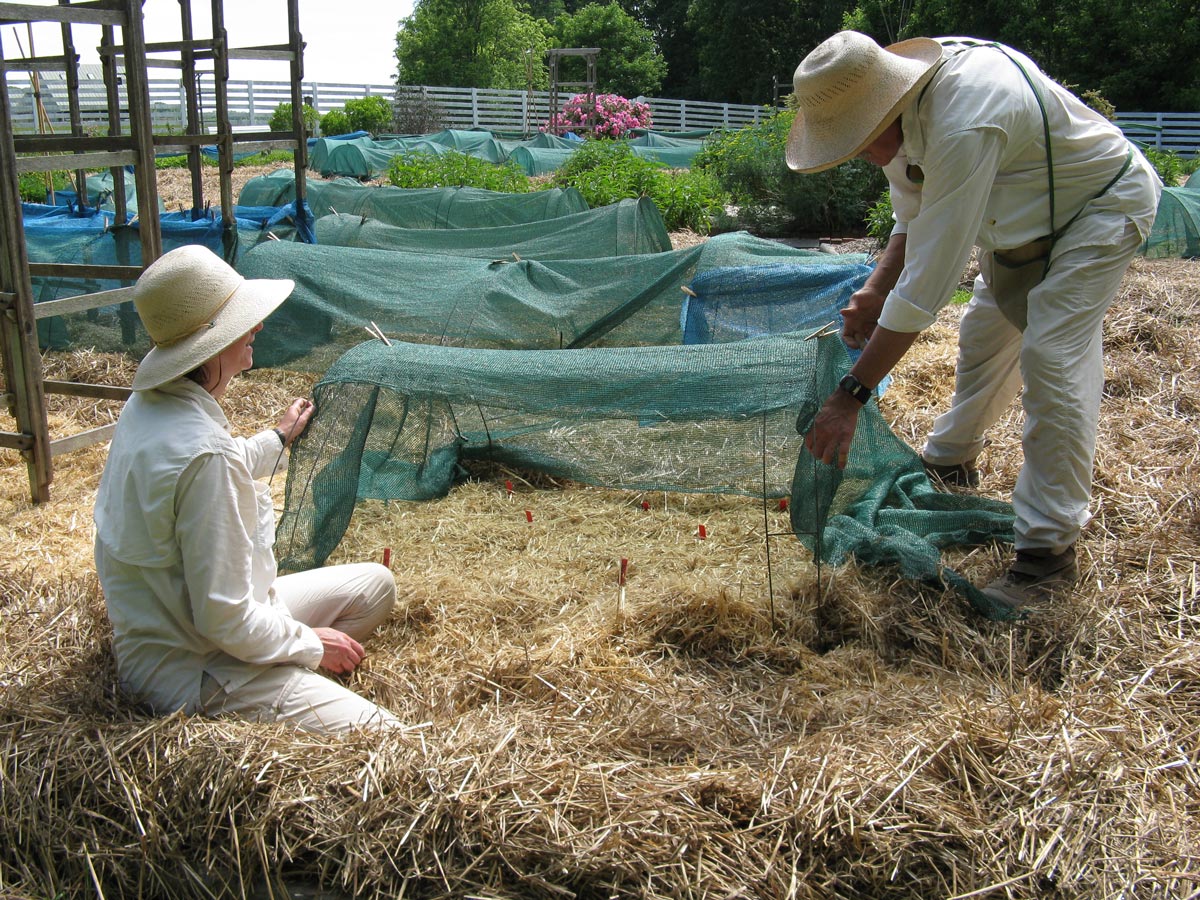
(721,729)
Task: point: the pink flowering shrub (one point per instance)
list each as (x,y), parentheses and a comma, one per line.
(614,116)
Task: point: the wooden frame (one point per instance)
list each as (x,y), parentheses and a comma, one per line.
(131,57)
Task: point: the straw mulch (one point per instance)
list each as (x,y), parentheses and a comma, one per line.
(845,736)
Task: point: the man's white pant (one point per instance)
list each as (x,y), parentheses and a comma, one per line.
(355,599)
(1058,358)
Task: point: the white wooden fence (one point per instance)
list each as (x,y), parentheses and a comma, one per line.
(252,102)
(1164,131)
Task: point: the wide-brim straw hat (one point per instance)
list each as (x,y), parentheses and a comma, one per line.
(848,91)
(194,305)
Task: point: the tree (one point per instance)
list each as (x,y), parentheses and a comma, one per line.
(470,43)
(630,63)
(1139,54)
(668,22)
(743,49)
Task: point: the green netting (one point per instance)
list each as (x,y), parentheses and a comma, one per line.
(526,304)
(675,152)
(1176,231)
(396,422)
(541,160)
(451,207)
(620,229)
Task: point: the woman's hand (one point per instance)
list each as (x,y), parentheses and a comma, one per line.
(342,652)
(295,419)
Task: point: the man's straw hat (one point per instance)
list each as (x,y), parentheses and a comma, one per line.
(194,305)
(848,91)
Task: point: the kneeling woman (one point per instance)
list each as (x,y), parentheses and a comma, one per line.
(184,531)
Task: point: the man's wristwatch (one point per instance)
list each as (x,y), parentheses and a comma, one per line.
(855,389)
(279,434)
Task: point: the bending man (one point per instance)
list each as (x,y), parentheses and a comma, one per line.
(981,148)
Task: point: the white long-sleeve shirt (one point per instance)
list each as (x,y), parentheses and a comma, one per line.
(976,133)
(184,537)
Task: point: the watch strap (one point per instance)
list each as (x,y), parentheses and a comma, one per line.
(855,389)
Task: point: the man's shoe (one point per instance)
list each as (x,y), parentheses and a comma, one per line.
(959,475)
(1035,576)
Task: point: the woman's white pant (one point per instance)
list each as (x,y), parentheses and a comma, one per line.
(355,599)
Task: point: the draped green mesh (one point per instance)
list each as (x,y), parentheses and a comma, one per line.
(450,207)
(624,228)
(397,422)
(1176,231)
(504,303)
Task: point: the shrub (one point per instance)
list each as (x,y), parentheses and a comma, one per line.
(749,164)
(33,185)
(879,219)
(372,114)
(415,113)
(335,122)
(422,170)
(611,116)
(281,119)
(607,171)
(1168,164)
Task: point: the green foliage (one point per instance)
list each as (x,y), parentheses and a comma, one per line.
(281,118)
(608,171)
(629,64)
(745,49)
(1168,164)
(749,164)
(879,219)
(335,122)
(472,43)
(424,170)
(33,185)
(372,114)
(1141,56)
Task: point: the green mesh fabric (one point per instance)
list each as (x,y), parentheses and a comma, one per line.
(620,229)
(454,207)
(1176,231)
(505,303)
(396,422)
(541,160)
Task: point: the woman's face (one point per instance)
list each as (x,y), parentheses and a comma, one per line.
(235,359)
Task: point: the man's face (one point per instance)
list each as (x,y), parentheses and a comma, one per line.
(884,148)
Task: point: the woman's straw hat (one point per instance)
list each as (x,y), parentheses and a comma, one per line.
(194,305)
(848,90)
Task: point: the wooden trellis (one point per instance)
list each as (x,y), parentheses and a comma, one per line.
(126,58)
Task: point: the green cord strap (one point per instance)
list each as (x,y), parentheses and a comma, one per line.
(1055,233)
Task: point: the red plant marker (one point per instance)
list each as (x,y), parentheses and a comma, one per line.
(646,505)
(387,556)
(783,505)
(508,488)
(703,532)
(528,515)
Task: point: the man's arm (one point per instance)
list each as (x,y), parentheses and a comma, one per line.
(862,314)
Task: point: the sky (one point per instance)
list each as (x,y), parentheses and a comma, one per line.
(346,41)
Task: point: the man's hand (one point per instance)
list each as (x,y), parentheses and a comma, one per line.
(861,316)
(342,652)
(833,429)
(295,419)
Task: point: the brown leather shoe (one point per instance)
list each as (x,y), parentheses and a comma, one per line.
(1036,576)
(958,475)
